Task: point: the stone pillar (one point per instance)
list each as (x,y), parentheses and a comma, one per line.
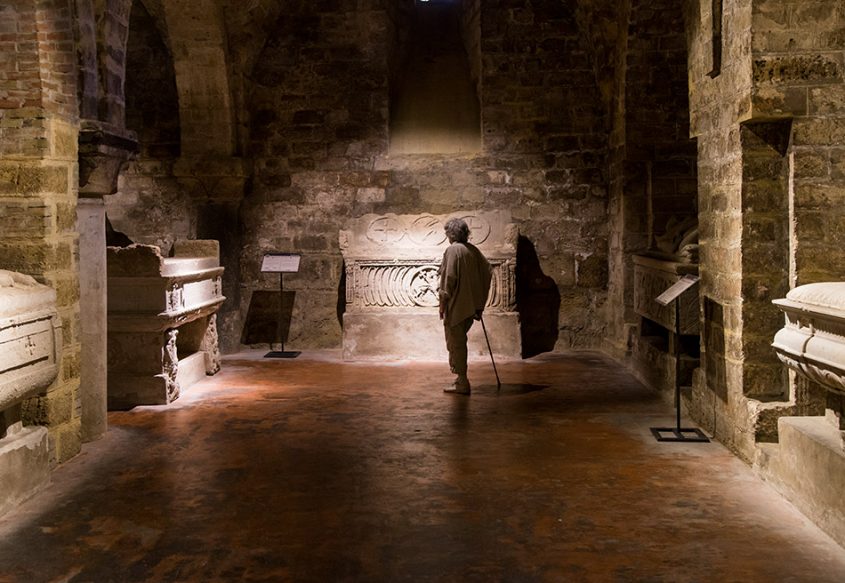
(103,151)
(91,221)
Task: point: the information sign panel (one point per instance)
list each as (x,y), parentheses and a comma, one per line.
(676,289)
(280,263)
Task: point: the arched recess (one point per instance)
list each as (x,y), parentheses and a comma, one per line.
(209,169)
(198,42)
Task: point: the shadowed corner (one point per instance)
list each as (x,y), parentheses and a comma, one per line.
(507,389)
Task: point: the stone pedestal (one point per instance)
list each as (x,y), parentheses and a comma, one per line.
(808,466)
(392,278)
(30,348)
(162,325)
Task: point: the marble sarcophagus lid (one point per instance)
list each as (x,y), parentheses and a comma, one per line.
(392,283)
(30,348)
(162,332)
(813,340)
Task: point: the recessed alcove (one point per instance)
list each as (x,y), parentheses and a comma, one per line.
(434,102)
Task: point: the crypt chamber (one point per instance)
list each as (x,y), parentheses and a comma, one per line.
(154,152)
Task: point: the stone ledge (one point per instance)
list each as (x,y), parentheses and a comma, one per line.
(808,467)
(24,466)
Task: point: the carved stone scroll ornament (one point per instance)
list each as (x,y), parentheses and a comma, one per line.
(170,363)
(210,345)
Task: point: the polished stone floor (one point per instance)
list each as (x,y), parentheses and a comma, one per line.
(316,470)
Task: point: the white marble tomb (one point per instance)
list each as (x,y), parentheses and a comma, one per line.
(30,348)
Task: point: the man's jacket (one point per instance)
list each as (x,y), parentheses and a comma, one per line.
(465,276)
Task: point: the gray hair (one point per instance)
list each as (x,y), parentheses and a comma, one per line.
(457,230)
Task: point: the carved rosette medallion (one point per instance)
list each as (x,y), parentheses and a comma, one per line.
(479,229)
(385,231)
(423,286)
(427,231)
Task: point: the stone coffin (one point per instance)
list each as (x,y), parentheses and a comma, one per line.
(813,340)
(162,321)
(30,348)
(392,282)
(652,276)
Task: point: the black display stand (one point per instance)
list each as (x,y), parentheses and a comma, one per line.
(678,433)
(281,263)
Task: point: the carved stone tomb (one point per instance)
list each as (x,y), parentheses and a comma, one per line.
(30,345)
(392,283)
(162,321)
(659,324)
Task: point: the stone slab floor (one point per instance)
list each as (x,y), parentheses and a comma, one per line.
(316,470)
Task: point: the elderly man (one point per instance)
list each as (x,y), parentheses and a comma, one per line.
(464,286)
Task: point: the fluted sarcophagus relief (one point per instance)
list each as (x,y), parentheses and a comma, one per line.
(392,279)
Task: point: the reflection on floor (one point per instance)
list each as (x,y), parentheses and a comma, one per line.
(316,470)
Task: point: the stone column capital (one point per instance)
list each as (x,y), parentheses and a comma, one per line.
(104,150)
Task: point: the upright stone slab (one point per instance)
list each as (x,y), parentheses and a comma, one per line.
(30,348)
(392,280)
(162,321)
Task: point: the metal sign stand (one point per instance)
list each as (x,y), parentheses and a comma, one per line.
(678,433)
(281,263)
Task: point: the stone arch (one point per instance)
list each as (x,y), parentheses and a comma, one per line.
(198,42)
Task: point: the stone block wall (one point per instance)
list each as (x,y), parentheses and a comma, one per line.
(319,137)
(769,129)
(717,105)
(38,181)
(799,73)
(151,205)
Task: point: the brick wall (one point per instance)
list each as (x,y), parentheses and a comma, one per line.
(38,168)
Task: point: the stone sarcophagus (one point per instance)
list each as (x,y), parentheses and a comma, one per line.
(30,348)
(392,282)
(162,327)
(813,340)
(666,359)
(653,276)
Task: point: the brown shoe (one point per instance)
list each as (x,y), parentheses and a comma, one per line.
(460,387)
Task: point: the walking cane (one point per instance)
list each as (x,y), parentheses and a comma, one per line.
(487,338)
